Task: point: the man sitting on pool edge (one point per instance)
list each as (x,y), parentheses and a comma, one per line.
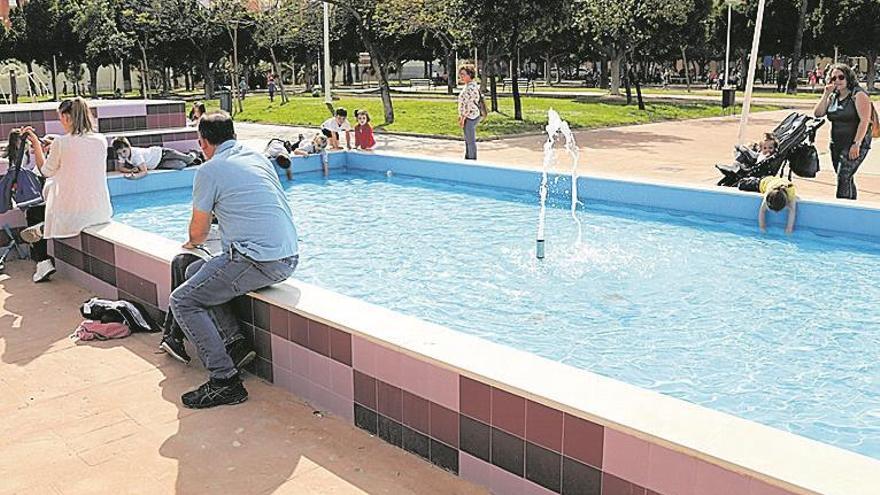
(240,188)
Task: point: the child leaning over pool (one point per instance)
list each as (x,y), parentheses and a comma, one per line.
(778,193)
(318,146)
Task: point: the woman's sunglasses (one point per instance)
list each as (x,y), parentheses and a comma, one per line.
(841,77)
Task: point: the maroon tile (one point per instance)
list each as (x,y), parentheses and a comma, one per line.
(138,287)
(389,401)
(298,329)
(612,485)
(261,314)
(509,412)
(99,248)
(415,412)
(583,440)
(544,426)
(475,399)
(365,390)
(340,346)
(444,424)
(319,338)
(278,322)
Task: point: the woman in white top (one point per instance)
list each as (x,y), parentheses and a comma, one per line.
(469,110)
(76,190)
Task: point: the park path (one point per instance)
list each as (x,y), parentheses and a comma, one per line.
(679,152)
(105,417)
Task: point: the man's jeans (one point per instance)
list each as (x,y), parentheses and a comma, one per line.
(201,306)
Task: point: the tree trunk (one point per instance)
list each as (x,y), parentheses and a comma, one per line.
(115,78)
(54,78)
(93,79)
(514,46)
(791,87)
(639,87)
(687,74)
(145,75)
(308,77)
(208,74)
(451,72)
(427,75)
(872,70)
(626,82)
(616,59)
(126,75)
(13,87)
(278,79)
(30,79)
(165,82)
(377,60)
(547,78)
(558,72)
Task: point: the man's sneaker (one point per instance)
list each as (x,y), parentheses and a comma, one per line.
(33,234)
(240,353)
(45,269)
(216,393)
(175,348)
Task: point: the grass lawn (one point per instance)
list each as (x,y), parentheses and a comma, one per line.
(697,90)
(440,117)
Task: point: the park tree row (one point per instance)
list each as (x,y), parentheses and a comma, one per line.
(211,40)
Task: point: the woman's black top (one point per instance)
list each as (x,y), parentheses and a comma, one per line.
(844,118)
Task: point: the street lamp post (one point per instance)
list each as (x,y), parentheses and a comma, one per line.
(328,98)
(750,82)
(727,53)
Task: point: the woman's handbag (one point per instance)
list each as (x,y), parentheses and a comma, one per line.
(21,187)
(875,122)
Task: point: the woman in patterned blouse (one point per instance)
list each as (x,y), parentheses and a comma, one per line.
(469,110)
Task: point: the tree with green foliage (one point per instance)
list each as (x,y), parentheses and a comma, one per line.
(853,26)
(94,23)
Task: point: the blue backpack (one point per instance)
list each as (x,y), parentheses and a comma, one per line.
(22,187)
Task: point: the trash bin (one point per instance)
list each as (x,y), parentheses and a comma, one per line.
(728,96)
(225,101)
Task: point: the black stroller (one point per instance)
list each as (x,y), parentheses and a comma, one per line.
(796,135)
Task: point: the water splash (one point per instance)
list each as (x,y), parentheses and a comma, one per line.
(554,128)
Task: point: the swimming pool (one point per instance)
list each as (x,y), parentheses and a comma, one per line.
(769,328)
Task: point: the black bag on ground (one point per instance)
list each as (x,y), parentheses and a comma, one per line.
(106,311)
(804,161)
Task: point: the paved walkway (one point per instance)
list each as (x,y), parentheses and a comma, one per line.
(682,152)
(106,418)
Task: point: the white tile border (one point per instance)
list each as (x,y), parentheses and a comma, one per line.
(783,459)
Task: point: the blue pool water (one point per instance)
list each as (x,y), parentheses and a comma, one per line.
(783,331)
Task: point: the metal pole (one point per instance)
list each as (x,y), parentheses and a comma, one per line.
(476,62)
(750,82)
(328,98)
(835,54)
(727,56)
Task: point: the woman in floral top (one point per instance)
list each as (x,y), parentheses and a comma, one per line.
(469,110)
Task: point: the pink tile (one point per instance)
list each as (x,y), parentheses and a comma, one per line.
(126,110)
(710,478)
(319,370)
(299,360)
(326,400)
(93,285)
(156,271)
(474,470)
(626,457)
(54,127)
(363,355)
(671,472)
(503,482)
(280,353)
(442,386)
(758,487)
(429,381)
(342,380)
(300,386)
(281,377)
(388,366)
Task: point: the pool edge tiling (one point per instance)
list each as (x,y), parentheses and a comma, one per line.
(458,402)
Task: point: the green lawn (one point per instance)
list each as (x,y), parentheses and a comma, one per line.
(696,90)
(440,117)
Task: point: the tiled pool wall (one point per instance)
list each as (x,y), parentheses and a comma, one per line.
(470,420)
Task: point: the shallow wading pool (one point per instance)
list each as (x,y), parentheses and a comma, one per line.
(780,330)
